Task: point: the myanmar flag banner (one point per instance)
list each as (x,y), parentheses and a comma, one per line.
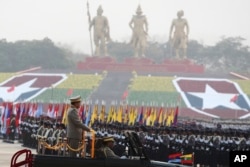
(187,159)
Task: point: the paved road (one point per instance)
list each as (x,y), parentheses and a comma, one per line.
(7,150)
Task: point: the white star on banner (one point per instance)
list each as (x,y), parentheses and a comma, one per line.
(211,99)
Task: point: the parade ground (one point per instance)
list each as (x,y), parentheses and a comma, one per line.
(7,150)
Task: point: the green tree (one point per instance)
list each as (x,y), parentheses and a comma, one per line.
(24,54)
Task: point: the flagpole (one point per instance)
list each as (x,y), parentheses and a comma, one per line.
(89,20)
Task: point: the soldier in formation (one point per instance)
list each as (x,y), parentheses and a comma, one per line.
(210,145)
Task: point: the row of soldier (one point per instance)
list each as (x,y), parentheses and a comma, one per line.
(158,142)
(210,146)
(31,131)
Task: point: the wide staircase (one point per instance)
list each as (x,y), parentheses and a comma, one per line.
(112,87)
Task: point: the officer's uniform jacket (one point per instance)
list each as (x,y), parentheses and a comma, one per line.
(75,126)
(108,153)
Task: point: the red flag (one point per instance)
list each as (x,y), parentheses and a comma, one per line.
(18,112)
(56,109)
(7,125)
(234,98)
(81,111)
(50,112)
(11,89)
(125,95)
(69,92)
(174,158)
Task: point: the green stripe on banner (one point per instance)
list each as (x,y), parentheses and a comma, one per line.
(60,95)
(155,96)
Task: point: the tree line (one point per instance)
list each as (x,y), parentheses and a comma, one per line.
(228,54)
(23,54)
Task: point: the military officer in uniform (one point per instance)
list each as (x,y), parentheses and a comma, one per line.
(75,128)
(108,144)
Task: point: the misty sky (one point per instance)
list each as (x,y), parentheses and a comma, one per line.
(65,21)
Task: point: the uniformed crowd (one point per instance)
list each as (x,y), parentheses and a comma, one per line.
(31,130)
(210,145)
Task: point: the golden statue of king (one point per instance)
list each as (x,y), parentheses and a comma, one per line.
(101,32)
(139,26)
(180,36)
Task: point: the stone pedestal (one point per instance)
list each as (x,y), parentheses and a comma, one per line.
(139,65)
